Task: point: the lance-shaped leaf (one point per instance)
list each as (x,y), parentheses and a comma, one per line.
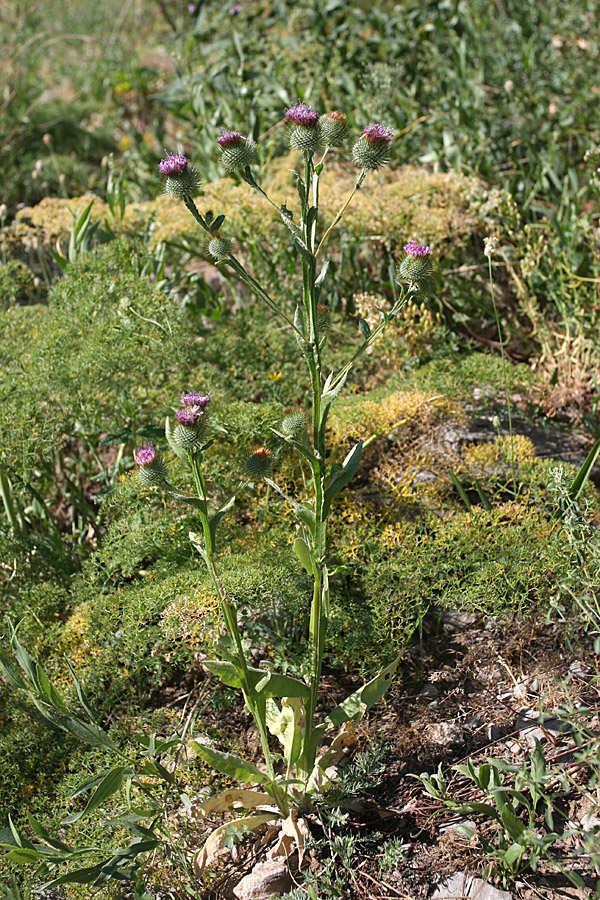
(109,785)
(302,551)
(355,706)
(11,673)
(270,684)
(222,511)
(341,476)
(321,278)
(304,512)
(304,449)
(230,764)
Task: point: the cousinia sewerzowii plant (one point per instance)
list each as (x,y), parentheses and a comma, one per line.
(283,706)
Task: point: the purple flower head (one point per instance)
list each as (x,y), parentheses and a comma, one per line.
(301,114)
(199,401)
(377,134)
(188,416)
(416,251)
(173,165)
(191,8)
(235,9)
(146,454)
(229,138)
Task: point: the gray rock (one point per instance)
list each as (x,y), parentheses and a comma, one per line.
(429,692)
(529,726)
(267,879)
(462,886)
(580,670)
(454,620)
(447,734)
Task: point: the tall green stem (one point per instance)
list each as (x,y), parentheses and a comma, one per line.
(230,616)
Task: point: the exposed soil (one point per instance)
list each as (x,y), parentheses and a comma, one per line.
(473,689)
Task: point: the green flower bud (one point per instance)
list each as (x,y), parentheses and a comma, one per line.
(294,425)
(235,158)
(152,469)
(189,437)
(154,474)
(183,186)
(417,267)
(221,247)
(372,149)
(335,128)
(306,139)
(259,464)
(323,317)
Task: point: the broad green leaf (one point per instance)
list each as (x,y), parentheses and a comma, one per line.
(109,785)
(111,868)
(483,808)
(81,694)
(25,660)
(22,855)
(230,764)
(302,551)
(152,432)
(306,516)
(355,706)
(512,856)
(273,684)
(512,823)
(365,330)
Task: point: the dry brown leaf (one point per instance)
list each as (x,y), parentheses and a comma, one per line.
(235,799)
(208,854)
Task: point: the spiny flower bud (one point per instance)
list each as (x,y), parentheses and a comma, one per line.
(416,265)
(152,469)
(260,463)
(372,149)
(237,152)
(323,317)
(183,180)
(221,247)
(189,437)
(305,131)
(294,425)
(334,128)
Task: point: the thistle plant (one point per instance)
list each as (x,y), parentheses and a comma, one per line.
(283,706)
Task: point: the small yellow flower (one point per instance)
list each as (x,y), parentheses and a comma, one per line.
(274,377)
